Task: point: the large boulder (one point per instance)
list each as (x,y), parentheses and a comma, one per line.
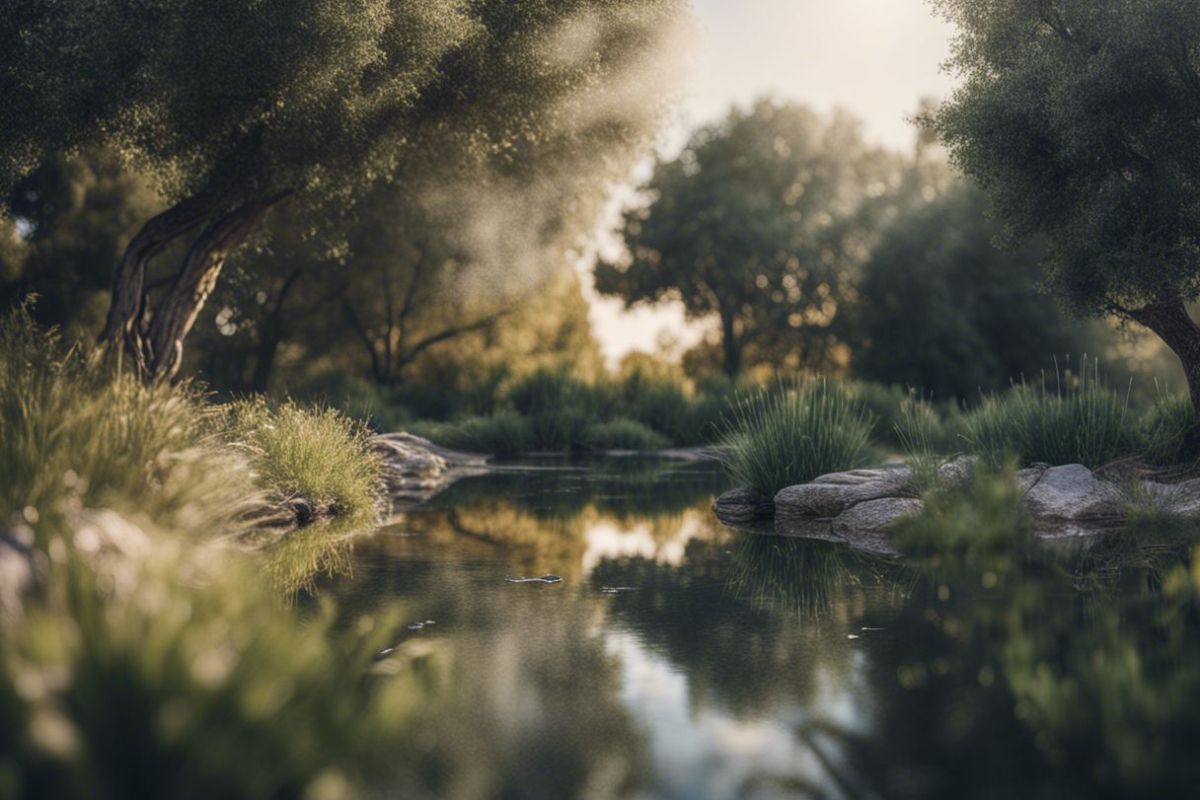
(875,515)
(830,495)
(1072,494)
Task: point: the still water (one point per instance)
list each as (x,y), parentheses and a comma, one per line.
(680,659)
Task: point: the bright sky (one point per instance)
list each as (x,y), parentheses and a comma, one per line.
(876,58)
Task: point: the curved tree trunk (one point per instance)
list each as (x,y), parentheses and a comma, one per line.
(124,325)
(1169,318)
(177,311)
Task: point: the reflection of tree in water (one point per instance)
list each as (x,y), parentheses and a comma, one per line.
(524,700)
(1005,679)
(746,655)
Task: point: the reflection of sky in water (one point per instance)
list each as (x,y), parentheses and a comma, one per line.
(607,540)
(701,751)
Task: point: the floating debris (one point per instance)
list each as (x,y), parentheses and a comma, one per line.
(416,626)
(872,629)
(615,589)
(430,622)
(539,579)
(853,636)
(384,653)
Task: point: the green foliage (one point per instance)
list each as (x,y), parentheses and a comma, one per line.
(1077,420)
(190,689)
(503,434)
(942,309)
(1078,117)
(1170,428)
(984,516)
(802,430)
(921,434)
(623,434)
(71,432)
(759,224)
(320,455)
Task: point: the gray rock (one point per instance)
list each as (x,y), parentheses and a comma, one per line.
(875,515)
(830,495)
(741,506)
(958,470)
(414,469)
(1028,478)
(1072,493)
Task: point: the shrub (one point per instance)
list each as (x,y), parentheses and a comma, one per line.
(801,430)
(1077,421)
(984,515)
(623,434)
(1170,429)
(504,433)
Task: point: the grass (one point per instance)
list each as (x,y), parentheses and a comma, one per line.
(793,434)
(1077,420)
(920,432)
(318,454)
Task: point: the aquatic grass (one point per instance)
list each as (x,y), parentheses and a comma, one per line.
(919,430)
(504,433)
(1075,420)
(318,454)
(792,434)
(623,434)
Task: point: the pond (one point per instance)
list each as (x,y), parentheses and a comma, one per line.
(680,659)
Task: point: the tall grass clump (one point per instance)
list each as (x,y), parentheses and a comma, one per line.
(504,434)
(792,434)
(920,432)
(1172,432)
(73,431)
(318,454)
(1074,420)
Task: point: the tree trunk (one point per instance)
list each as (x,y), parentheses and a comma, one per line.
(177,311)
(1169,319)
(731,348)
(124,327)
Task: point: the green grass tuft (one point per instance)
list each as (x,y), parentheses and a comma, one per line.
(792,434)
(984,516)
(623,434)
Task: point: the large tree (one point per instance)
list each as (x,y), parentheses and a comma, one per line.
(235,105)
(760,224)
(945,311)
(1081,118)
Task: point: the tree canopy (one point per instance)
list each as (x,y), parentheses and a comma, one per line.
(234,106)
(760,223)
(1081,119)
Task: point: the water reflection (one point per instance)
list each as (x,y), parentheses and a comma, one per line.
(680,659)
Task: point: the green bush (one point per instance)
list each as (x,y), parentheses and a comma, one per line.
(1074,422)
(1171,430)
(504,433)
(623,434)
(792,434)
(983,516)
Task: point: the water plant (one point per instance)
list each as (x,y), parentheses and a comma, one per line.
(793,433)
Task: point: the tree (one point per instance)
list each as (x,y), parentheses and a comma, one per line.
(760,223)
(945,311)
(233,107)
(1081,119)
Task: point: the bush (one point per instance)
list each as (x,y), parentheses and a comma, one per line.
(983,516)
(791,435)
(1171,430)
(504,433)
(623,434)
(1081,422)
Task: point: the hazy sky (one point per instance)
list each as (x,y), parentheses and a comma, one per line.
(876,58)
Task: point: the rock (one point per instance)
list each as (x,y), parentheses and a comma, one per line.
(875,515)
(1181,500)
(1072,493)
(958,470)
(1028,478)
(830,495)
(414,469)
(741,506)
